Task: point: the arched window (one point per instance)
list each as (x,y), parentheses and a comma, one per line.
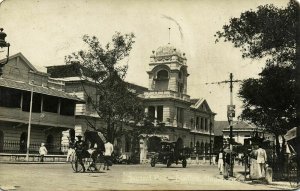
(1,140)
(198,148)
(23,142)
(179,144)
(127,144)
(162,75)
(50,143)
(206,148)
(202,148)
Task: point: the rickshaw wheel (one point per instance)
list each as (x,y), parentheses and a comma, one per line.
(169,163)
(184,163)
(73,164)
(293,176)
(152,162)
(99,161)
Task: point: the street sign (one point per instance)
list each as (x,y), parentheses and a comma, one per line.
(230,111)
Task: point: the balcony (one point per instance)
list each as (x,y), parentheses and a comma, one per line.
(165,94)
(45,118)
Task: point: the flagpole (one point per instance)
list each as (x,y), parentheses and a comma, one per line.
(29,125)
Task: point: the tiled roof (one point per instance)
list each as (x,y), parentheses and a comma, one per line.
(219,126)
(38,89)
(237,126)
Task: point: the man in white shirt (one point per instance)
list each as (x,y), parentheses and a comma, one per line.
(220,161)
(43,151)
(109,149)
(261,160)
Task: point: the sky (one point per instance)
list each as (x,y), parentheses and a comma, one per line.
(45,31)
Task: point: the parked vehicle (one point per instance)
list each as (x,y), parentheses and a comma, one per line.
(169,153)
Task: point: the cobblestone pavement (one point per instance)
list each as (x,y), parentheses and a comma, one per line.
(120,177)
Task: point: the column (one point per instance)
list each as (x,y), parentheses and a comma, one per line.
(155,116)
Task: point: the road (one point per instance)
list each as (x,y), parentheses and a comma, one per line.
(121,177)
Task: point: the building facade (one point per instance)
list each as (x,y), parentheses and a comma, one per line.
(29,96)
(188,121)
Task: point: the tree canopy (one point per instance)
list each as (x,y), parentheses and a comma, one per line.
(270,33)
(110,96)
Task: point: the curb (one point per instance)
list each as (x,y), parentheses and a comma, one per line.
(24,162)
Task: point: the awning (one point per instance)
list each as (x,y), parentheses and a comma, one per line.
(37,89)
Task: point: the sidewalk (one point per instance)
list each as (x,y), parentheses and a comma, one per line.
(239,176)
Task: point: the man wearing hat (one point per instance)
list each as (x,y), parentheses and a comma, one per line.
(79,148)
(43,151)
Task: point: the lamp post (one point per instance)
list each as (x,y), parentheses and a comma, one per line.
(3,44)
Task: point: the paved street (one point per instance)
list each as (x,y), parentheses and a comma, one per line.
(131,177)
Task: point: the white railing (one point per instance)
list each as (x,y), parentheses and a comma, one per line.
(166,94)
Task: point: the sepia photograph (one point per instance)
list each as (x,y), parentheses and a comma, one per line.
(149,95)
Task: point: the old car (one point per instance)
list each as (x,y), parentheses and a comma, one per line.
(170,153)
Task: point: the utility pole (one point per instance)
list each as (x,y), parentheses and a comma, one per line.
(230,114)
(29,126)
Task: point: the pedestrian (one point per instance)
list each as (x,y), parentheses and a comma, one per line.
(79,149)
(220,161)
(261,160)
(43,151)
(227,160)
(109,148)
(71,150)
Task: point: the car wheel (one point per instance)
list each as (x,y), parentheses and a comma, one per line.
(184,163)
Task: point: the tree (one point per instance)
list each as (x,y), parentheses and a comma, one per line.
(110,96)
(268,33)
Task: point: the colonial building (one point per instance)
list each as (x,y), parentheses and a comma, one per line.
(86,117)
(188,121)
(52,109)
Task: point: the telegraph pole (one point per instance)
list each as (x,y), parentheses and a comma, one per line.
(230,114)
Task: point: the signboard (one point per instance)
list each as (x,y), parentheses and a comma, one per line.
(230,111)
(291,134)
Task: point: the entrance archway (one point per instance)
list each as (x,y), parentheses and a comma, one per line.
(23,142)
(50,143)
(154,144)
(179,143)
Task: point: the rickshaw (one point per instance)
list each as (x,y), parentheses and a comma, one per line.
(293,142)
(169,153)
(93,153)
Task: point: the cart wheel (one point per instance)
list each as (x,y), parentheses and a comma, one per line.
(152,162)
(293,176)
(169,163)
(99,162)
(184,163)
(74,164)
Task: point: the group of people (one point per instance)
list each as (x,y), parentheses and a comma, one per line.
(79,147)
(257,166)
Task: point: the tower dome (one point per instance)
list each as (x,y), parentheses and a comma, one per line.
(167,50)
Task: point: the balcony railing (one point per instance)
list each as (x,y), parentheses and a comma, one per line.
(166,94)
(17,147)
(45,118)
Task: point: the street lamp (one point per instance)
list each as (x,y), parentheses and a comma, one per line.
(3,44)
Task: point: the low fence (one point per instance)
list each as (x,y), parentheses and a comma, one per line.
(17,147)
